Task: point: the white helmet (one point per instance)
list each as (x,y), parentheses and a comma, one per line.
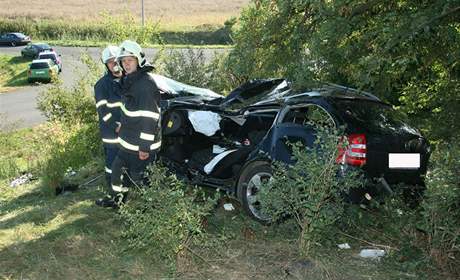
(109,53)
(131,48)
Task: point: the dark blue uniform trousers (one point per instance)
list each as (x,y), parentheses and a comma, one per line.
(110,154)
(134,168)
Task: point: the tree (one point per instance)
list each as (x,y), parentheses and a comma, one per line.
(407,52)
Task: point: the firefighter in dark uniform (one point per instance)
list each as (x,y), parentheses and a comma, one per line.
(108,106)
(139,137)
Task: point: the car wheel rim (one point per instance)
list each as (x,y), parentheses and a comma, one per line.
(252,196)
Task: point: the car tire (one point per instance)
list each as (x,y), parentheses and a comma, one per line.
(13,44)
(249,184)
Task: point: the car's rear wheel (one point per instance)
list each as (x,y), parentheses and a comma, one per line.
(249,185)
(13,44)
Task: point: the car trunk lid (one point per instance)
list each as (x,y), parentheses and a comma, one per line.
(40,72)
(393,149)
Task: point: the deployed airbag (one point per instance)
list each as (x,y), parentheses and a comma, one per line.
(204,122)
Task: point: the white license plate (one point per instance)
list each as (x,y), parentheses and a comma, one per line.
(404,161)
(40,72)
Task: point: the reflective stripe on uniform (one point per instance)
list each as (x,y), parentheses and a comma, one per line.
(119,188)
(114,105)
(107,117)
(128,145)
(110,141)
(108,170)
(155,146)
(146,136)
(140,113)
(132,147)
(101,102)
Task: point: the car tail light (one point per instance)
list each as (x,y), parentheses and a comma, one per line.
(355,153)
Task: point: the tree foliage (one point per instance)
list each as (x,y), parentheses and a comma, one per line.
(407,52)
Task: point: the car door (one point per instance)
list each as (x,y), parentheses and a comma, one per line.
(28,51)
(297,124)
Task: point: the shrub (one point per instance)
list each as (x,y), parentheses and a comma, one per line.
(59,103)
(311,191)
(441,208)
(165,218)
(72,115)
(190,66)
(71,148)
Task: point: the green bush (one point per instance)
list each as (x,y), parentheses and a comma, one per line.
(311,191)
(165,218)
(59,103)
(72,115)
(190,66)
(441,208)
(71,148)
(420,238)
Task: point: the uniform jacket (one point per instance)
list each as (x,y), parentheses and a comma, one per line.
(140,117)
(108,104)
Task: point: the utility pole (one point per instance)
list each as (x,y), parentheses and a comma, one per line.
(142,13)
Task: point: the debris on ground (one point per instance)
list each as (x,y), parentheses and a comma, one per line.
(21,180)
(344,246)
(372,253)
(229,207)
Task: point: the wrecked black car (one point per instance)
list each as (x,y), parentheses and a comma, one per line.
(229,142)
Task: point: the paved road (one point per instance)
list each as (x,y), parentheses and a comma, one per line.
(18,108)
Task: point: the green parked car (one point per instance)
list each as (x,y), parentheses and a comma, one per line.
(42,70)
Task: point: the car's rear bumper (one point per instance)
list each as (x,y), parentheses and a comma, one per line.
(38,79)
(385,184)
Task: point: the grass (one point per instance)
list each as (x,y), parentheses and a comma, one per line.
(43,236)
(173,15)
(180,22)
(13,72)
(22,150)
(68,237)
